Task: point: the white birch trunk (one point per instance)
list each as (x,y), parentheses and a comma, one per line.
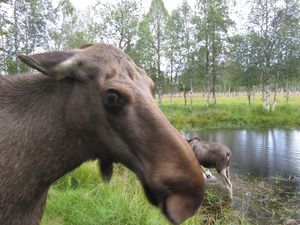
(275,97)
(191,99)
(184,96)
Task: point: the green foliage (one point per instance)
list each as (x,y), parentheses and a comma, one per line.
(70,28)
(24,29)
(274,30)
(151,45)
(180,47)
(118,23)
(191,47)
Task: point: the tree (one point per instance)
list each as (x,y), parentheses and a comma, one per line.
(212,22)
(262,13)
(276,26)
(25,30)
(144,53)
(70,29)
(286,38)
(179,47)
(4,24)
(119,23)
(155,23)
(244,61)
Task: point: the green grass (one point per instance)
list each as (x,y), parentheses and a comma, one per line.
(232,113)
(81,197)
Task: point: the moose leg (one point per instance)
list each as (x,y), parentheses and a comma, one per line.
(207,173)
(230,184)
(225,175)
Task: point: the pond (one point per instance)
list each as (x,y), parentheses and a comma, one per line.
(264,153)
(265,169)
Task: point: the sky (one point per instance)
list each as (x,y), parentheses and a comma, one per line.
(239,15)
(170,4)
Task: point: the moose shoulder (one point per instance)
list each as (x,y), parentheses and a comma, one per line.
(88,103)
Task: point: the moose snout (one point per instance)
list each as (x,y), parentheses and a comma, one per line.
(178,193)
(177,200)
(177,208)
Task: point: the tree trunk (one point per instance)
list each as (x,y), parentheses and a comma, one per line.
(275,94)
(172,82)
(191,99)
(207,97)
(267,101)
(184,96)
(287,94)
(214,102)
(171,97)
(16,36)
(228,92)
(263,96)
(159,96)
(249,92)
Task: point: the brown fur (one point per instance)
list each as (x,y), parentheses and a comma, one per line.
(213,155)
(89,103)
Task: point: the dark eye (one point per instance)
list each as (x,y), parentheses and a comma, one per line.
(113,101)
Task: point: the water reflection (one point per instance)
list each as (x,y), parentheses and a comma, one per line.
(264,153)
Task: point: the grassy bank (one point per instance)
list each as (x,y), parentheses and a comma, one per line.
(232,113)
(82,198)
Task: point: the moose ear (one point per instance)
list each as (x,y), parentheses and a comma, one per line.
(56,64)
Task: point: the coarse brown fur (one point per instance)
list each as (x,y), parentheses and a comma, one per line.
(213,155)
(88,103)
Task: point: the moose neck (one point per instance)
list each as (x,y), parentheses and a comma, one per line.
(48,148)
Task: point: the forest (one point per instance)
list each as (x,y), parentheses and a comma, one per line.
(202,47)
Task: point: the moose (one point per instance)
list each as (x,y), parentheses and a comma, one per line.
(213,155)
(89,103)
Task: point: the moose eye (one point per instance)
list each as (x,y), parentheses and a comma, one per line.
(113,101)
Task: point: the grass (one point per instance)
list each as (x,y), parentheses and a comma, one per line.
(81,197)
(232,113)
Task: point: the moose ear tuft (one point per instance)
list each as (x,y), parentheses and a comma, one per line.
(54,64)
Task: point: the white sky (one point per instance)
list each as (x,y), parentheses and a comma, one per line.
(239,15)
(170,4)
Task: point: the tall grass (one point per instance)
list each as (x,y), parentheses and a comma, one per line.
(81,197)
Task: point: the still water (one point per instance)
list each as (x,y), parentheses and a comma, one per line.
(272,156)
(265,153)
